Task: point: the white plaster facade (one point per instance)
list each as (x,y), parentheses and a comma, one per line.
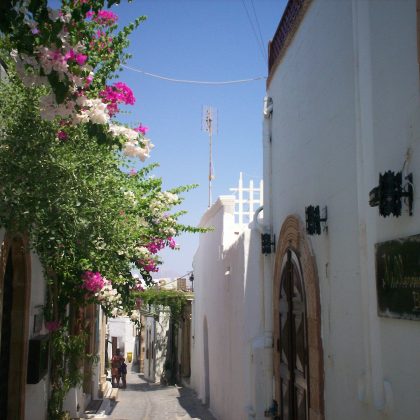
(227,318)
(345,107)
(76,400)
(125,331)
(36,397)
(157,333)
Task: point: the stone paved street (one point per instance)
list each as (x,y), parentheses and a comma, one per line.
(142,400)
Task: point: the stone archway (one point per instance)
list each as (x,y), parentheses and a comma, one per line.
(292,239)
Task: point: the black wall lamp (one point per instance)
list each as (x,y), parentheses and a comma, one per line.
(314,220)
(388,194)
(192,281)
(267,245)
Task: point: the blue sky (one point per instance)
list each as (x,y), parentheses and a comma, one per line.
(200,40)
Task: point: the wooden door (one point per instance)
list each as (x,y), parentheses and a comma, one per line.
(14,328)
(292,344)
(6,333)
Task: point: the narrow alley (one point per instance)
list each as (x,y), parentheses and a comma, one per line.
(143,400)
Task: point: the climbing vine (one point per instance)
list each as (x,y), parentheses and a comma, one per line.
(174,299)
(67,171)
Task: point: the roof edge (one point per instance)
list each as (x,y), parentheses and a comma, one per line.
(290,21)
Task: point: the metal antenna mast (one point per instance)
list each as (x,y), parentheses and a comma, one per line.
(209,125)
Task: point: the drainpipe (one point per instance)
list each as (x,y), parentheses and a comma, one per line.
(267,222)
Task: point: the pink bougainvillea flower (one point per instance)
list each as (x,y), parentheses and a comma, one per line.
(147,264)
(62,135)
(112,108)
(118,93)
(81,59)
(171,243)
(138,287)
(92,281)
(70,54)
(133,172)
(126,93)
(89,80)
(142,129)
(102,17)
(52,326)
(105,17)
(156,245)
(151,266)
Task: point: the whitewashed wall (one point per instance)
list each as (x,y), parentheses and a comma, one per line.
(123,329)
(161,342)
(149,363)
(395,128)
(157,345)
(226,314)
(346,107)
(36,395)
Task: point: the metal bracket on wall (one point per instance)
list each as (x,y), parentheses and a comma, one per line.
(268,245)
(313,220)
(389,193)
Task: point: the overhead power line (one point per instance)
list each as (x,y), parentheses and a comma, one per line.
(264,47)
(259,40)
(197,82)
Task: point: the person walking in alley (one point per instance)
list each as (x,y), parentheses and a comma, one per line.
(123,373)
(116,362)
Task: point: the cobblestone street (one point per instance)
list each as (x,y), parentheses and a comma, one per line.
(142,400)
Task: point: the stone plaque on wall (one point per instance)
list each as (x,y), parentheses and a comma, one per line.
(398,278)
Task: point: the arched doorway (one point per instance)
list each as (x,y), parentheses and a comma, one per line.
(292,342)
(14,320)
(298,358)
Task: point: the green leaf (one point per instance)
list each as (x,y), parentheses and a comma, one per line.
(60,88)
(36,5)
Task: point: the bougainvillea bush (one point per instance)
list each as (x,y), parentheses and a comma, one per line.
(89,218)
(74,51)
(67,169)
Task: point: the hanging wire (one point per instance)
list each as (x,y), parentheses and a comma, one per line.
(259,31)
(197,82)
(259,42)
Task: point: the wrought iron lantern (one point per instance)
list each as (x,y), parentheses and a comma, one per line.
(267,245)
(389,193)
(313,220)
(191,278)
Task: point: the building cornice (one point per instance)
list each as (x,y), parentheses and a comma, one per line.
(289,23)
(222,201)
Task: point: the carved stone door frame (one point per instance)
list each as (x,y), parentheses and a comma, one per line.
(293,240)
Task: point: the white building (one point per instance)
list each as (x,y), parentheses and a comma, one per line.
(157,334)
(167,338)
(227,323)
(343,107)
(122,334)
(331,331)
